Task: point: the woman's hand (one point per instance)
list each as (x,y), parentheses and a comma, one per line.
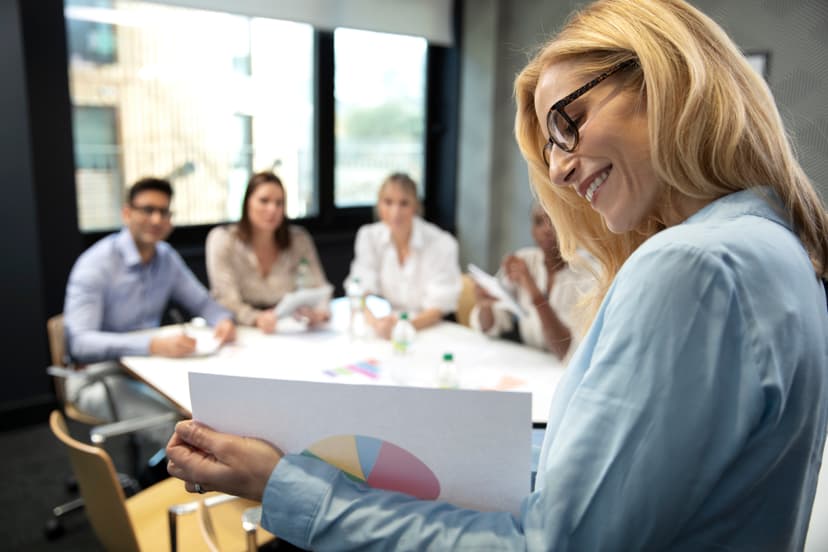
(266,321)
(484,303)
(314,317)
(482,297)
(239,466)
(517,271)
(384,326)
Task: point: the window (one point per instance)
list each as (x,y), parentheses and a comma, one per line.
(203,98)
(379,89)
(90,41)
(97,165)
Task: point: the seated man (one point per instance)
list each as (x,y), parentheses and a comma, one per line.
(123,283)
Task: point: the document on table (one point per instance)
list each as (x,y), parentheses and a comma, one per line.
(469,448)
(309,297)
(206,345)
(494,288)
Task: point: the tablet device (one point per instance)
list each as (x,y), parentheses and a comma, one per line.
(494,288)
(308,297)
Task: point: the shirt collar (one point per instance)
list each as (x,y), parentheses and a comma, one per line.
(417,230)
(125,244)
(761,201)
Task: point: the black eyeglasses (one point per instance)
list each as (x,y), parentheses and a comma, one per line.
(563,131)
(148,210)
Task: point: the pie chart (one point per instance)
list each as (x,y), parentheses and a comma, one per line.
(378,463)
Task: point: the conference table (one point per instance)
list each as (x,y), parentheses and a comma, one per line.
(331,354)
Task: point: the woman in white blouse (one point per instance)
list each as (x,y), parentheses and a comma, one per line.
(544,286)
(408,261)
(253,264)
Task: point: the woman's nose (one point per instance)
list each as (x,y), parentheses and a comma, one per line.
(562,167)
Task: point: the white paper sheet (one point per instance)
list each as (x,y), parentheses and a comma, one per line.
(495,289)
(476,444)
(310,297)
(206,344)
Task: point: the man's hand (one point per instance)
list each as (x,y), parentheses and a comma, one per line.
(175,346)
(225,331)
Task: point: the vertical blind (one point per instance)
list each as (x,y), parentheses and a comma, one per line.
(430,19)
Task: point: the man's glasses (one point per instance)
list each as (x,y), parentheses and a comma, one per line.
(149,210)
(563,131)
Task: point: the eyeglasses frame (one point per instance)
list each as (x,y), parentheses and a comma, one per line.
(559,106)
(149,210)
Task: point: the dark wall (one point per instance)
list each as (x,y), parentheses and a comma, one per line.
(22,338)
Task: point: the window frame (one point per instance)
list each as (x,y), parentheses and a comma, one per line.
(439,182)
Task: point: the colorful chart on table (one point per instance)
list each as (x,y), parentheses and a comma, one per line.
(378,463)
(369,368)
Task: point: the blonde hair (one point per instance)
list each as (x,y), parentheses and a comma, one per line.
(712,122)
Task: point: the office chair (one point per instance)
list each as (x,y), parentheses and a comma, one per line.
(61,372)
(156,517)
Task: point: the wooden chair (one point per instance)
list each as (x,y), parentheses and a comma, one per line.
(61,371)
(59,358)
(154,518)
(466,301)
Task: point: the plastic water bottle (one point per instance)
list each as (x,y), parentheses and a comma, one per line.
(303,274)
(447,377)
(402,336)
(356,304)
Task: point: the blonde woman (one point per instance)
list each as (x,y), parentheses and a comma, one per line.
(693,415)
(408,261)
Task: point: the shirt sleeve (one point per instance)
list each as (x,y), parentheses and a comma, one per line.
(192,295)
(502,323)
(366,263)
(662,406)
(444,282)
(220,273)
(83,312)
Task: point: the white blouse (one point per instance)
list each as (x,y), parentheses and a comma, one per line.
(429,277)
(567,290)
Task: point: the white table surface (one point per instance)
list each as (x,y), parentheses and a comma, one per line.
(294,353)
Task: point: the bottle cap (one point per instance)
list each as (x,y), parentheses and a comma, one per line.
(403,316)
(448,357)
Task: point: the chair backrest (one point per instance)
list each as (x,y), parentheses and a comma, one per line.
(57,353)
(466,300)
(57,341)
(103,496)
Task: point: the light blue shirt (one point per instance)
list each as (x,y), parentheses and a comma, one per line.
(110,292)
(692,417)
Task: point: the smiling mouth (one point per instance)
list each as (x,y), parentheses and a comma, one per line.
(589,191)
